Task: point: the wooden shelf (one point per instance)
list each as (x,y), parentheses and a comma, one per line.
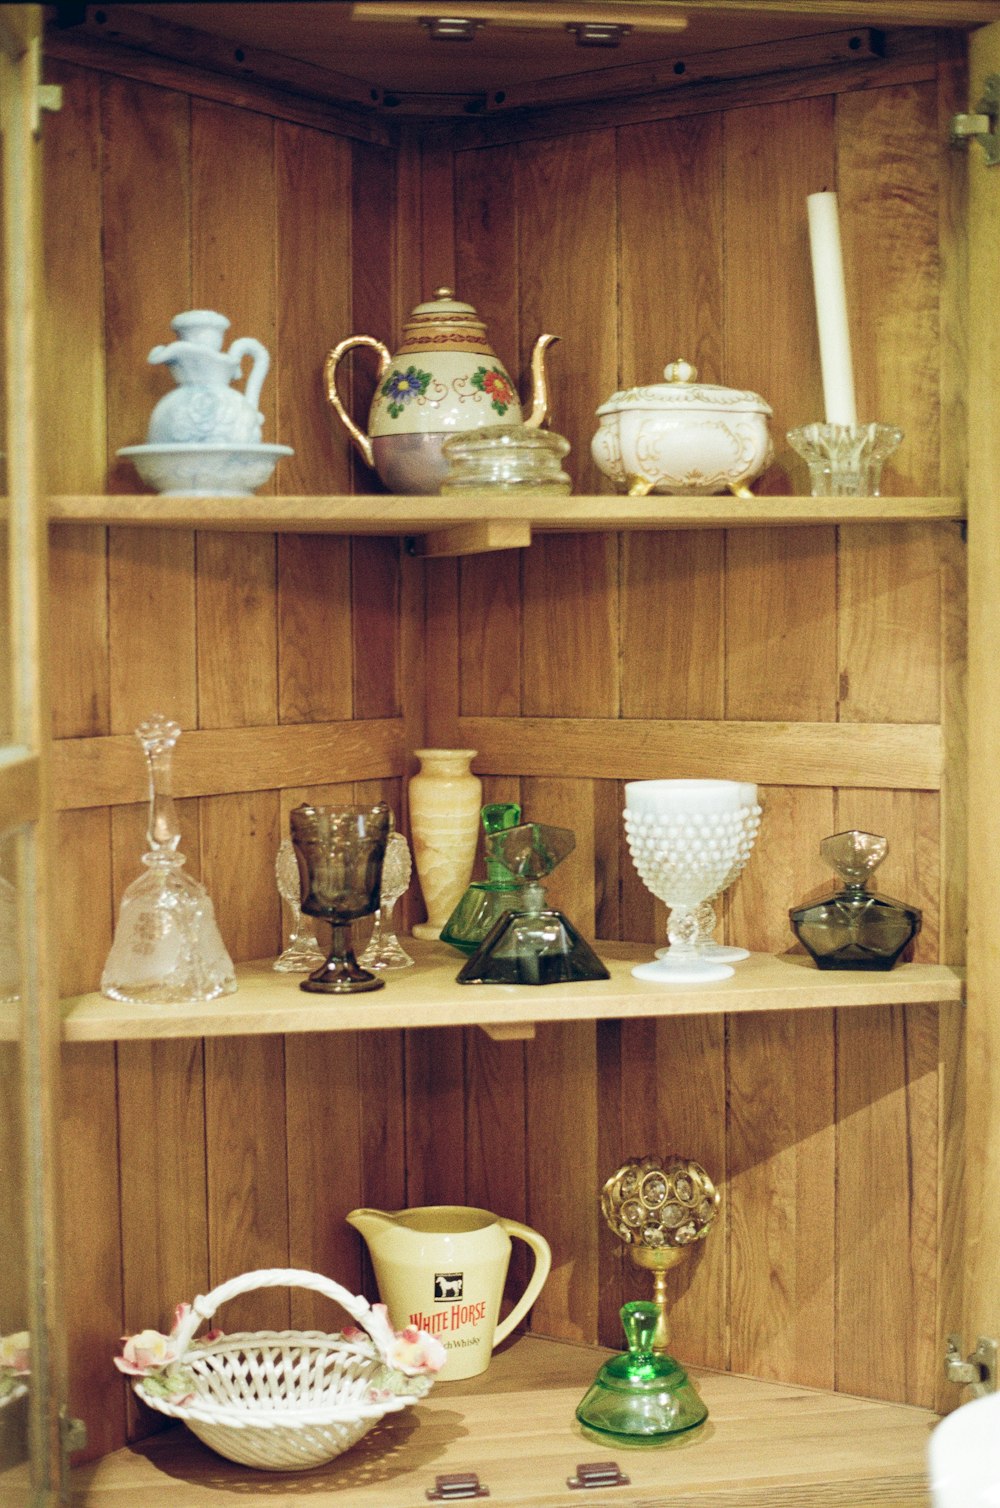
(765,1444)
(469,525)
(427,995)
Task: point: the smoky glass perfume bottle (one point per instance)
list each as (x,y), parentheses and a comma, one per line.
(855,927)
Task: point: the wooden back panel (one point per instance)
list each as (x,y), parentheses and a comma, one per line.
(189,1162)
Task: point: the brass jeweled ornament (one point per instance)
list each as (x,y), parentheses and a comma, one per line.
(658,1207)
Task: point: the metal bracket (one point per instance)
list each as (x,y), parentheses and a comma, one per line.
(598,33)
(451,28)
(598,1474)
(979,1372)
(72,1433)
(982,126)
(456,1485)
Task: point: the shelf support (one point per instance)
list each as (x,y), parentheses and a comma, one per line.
(509,1031)
(477,538)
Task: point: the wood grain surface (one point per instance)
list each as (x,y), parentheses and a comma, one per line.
(824,662)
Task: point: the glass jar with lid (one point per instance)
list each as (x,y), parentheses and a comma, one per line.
(506,458)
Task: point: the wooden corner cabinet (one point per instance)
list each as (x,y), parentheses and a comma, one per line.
(314,171)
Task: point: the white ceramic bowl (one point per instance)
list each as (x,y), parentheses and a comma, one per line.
(683,437)
(205,470)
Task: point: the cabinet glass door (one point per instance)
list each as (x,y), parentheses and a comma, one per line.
(30,1363)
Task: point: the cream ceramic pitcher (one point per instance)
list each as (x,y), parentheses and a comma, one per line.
(442,1268)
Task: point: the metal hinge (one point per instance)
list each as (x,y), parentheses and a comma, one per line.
(979,1371)
(598,33)
(72,1433)
(455,1485)
(598,1474)
(982,126)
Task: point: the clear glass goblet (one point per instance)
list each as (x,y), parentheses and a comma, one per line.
(340,850)
(302,952)
(688,840)
(384,950)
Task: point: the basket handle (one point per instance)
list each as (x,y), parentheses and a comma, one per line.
(205,1305)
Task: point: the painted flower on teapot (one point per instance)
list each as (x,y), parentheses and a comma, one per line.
(204,409)
(444,379)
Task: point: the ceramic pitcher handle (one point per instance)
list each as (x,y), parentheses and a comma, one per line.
(543,1262)
(260,356)
(333,360)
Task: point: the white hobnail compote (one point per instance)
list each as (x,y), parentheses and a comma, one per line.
(688,839)
(705,913)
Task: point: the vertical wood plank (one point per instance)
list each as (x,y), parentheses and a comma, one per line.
(781,625)
(232,186)
(247,1173)
(889,624)
(91,1281)
(674,1102)
(150,596)
(891,242)
(670,178)
(73,402)
(324,1167)
(563,1176)
(314,627)
(780,1162)
(565,194)
(164,1220)
(674,581)
(312,174)
(775,156)
(571,617)
(375,610)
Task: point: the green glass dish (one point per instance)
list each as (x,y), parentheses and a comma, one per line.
(641,1396)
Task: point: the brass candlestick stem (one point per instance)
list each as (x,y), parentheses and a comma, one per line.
(659,1207)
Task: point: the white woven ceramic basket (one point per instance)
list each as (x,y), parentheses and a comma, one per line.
(278,1400)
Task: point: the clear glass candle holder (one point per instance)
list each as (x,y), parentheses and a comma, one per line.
(506,458)
(845,460)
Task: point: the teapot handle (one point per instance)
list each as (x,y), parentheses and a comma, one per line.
(261,358)
(333,360)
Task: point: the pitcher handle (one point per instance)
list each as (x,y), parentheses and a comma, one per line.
(543,1263)
(260,356)
(333,360)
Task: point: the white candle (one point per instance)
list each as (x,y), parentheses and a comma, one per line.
(831,309)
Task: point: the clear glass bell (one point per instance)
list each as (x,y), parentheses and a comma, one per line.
(167,949)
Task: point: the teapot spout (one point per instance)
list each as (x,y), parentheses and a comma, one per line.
(539,383)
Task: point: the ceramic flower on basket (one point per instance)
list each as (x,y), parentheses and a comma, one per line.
(15,1365)
(281,1400)
(149,1354)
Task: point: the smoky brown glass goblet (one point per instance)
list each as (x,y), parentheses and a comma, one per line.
(340,850)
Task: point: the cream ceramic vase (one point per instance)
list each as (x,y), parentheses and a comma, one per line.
(445,800)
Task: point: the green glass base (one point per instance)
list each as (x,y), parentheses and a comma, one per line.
(641,1396)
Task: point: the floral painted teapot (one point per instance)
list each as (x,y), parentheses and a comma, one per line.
(203,409)
(445,378)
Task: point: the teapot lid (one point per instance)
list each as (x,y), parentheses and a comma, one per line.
(443,302)
(444,323)
(682,390)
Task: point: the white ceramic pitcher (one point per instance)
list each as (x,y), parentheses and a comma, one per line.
(442,1268)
